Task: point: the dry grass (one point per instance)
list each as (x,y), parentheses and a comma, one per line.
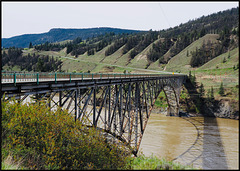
(9,164)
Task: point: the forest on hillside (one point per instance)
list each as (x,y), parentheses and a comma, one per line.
(60,34)
(174,40)
(35,62)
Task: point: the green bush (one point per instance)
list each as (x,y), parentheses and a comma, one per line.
(161,101)
(154,163)
(44,139)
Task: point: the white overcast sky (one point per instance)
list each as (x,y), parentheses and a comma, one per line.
(29,17)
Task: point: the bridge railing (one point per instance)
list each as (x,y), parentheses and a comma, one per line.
(18,77)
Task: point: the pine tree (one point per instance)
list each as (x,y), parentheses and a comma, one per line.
(193,80)
(30,45)
(211,94)
(224,60)
(201,90)
(221,90)
(190,74)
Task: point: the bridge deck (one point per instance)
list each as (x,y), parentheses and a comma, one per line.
(10,77)
(24,83)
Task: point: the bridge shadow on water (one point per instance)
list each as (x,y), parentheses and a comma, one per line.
(213,156)
(207,152)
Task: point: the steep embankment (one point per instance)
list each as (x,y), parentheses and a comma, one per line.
(141,60)
(181,62)
(159,66)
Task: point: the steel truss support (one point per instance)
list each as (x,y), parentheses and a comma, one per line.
(121,109)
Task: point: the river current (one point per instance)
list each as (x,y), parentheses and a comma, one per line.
(203,142)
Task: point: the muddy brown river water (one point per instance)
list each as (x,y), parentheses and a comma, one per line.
(204,142)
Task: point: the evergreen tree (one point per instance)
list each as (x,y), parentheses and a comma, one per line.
(211,94)
(30,45)
(208,94)
(221,90)
(190,74)
(224,60)
(40,65)
(201,90)
(193,80)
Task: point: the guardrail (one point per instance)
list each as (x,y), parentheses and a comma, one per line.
(17,77)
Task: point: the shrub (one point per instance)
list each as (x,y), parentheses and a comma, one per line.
(44,139)
(161,101)
(154,163)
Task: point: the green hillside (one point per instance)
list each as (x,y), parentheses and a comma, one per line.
(141,60)
(60,34)
(231,59)
(113,58)
(224,68)
(181,62)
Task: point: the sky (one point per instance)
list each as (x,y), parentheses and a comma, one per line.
(33,17)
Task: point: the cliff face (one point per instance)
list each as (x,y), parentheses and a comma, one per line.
(222,108)
(227,109)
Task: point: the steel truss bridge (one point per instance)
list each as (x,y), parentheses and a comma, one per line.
(119,104)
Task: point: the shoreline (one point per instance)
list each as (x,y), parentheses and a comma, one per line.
(158,110)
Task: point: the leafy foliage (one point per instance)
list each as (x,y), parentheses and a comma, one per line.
(153,163)
(53,140)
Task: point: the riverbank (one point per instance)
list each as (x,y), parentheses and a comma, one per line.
(221,107)
(224,108)
(224,111)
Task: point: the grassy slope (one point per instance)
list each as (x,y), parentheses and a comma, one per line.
(119,63)
(97,57)
(180,62)
(156,65)
(111,59)
(218,61)
(124,59)
(215,71)
(141,61)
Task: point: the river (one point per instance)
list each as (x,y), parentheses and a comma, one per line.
(203,142)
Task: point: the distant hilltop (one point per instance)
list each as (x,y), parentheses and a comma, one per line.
(60,34)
